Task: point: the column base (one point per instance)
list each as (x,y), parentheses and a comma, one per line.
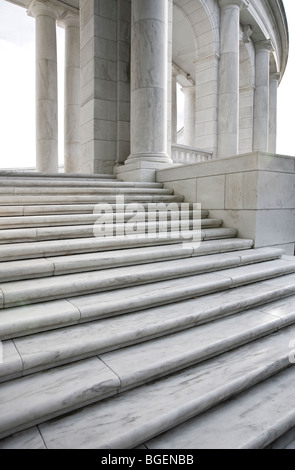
(139,170)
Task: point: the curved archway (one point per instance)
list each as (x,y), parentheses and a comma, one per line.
(195,51)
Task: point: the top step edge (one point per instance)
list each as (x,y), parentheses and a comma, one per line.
(35,174)
(69,182)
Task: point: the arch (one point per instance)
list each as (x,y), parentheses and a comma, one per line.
(200,35)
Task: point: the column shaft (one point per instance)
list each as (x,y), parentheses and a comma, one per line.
(189,116)
(273,98)
(261,97)
(72,147)
(174,107)
(149,62)
(46,89)
(228,100)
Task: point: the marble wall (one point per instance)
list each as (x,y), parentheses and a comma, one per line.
(105,92)
(253,192)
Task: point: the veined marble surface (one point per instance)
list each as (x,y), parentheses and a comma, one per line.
(151,409)
(251,420)
(45,395)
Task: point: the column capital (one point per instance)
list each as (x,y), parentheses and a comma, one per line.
(275,77)
(188,90)
(43,8)
(69,20)
(247,33)
(230,3)
(174,71)
(264,45)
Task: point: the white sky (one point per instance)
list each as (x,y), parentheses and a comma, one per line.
(17,88)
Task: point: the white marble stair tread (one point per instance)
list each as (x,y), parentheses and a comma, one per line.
(29,439)
(67,219)
(74,182)
(26,320)
(25,269)
(24,292)
(79,383)
(18,251)
(67,209)
(28,269)
(84,190)
(35,175)
(152,409)
(63,199)
(168,347)
(46,394)
(58,248)
(15,235)
(176,351)
(258,417)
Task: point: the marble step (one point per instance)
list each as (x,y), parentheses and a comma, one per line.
(35,175)
(130,341)
(12,199)
(125,369)
(73,182)
(7,212)
(260,416)
(26,221)
(37,249)
(155,313)
(17,235)
(146,411)
(57,265)
(40,351)
(41,191)
(26,292)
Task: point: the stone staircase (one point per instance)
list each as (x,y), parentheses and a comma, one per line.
(140,341)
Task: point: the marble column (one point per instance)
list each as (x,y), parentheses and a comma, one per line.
(273,97)
(149,63)
(261,96)
(46,87)
(72,147)
(228,99)
(174,106)
(189,116)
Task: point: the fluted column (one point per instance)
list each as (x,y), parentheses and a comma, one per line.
(72,147)
(189,115)
(46,87)
(174,106)
(228,99)
(149,63)
(273,102)
(261,96)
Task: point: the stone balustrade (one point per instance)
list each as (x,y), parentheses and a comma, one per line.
(183,154)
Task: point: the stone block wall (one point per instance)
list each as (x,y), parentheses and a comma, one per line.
(105,84)
(253,192)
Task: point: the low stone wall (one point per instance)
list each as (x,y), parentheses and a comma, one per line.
(253,192)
